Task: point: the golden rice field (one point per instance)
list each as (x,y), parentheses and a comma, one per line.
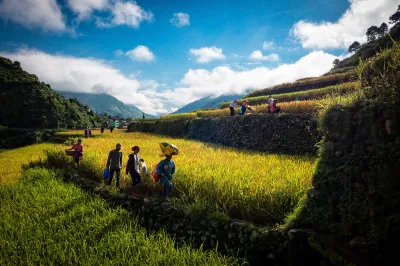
(255,186)
(11,161)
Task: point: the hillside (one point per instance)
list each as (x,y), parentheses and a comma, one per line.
(207,102)
(34,104)
(105,103)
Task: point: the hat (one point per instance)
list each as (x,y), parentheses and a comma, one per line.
(79,139)
(118,145)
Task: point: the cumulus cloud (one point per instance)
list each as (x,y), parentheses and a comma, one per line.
(141,54)
(258,56)
(66,73)
(118,52)
(198,83)
(85,7)
(207,54)
(268,45)
(180,19)
(125,13)
(43,14)
(351,26)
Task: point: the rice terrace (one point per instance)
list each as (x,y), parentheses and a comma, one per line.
(263,153)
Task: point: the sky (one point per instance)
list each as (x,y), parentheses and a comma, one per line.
(160,55)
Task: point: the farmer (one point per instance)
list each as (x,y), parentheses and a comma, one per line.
(102,129)
(132,167)
(111,129)
(232,107)
(114,164)
(166,169)
(274,108)
(78,151)
(88,132)
(270,103)
(245,106)
(143,115)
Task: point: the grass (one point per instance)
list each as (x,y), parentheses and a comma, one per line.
(178,116)
(317,82)
(47,222)
(255,186)
(11,161)
(302,95)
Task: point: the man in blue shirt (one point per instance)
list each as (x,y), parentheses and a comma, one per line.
(166,169)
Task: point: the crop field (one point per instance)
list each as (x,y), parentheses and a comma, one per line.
(302,95)
(318,82)
(255,186)
(45,221)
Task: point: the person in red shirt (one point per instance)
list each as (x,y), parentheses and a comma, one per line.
(78,151)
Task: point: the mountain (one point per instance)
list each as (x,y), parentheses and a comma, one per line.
(105,103)
(29,103)
(208,102)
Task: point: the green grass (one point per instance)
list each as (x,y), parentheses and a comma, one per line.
(302,95)
(47,222)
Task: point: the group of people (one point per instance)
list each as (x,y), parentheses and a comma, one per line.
(135,167)
(272,106)
(102,129)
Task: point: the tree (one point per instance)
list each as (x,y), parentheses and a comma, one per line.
(372,32)
(395,17)
(336,62)
(354,47)
(383,30)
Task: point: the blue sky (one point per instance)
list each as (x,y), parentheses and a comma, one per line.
(139,54)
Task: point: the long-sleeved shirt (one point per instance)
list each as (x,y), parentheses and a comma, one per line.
(133,162)
(233,104)
(166,169)
(114,160)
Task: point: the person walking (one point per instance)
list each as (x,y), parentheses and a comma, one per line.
(166,170)
(114,164)
(270,103)
(232,107)
(143,115)
(132,167)
(111,129)
(78,151)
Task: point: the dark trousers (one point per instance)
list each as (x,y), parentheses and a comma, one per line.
(136,178)
(269,109)
(232,111)
(117,176)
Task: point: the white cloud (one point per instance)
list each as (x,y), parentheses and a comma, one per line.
(207,54)
(180,19)
(119,52)
(141,54)
(126,13)
(44,14)
(258,56)
(268,45)
(94,76)
(85,7)
(352,25)
(198,83)
(67,73)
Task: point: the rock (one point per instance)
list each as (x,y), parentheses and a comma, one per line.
(204,238)
(338,154)
(329,146)
(231,235)
(235,225)
(122,196)
(165,206)
(300,234)
(214,224)
(358,241)
(270,256)
(97,189)
(213,237)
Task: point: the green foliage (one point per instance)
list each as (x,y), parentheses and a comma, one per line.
(47,222)
(302,95)
(307,84)
(33,104)
(356,185)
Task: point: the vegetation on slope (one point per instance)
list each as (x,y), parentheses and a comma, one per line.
(253,186)
(47,222)
(33,104)
(356,185)
(305,84)
(301,95)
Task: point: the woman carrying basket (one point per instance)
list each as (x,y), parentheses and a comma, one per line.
(78,151)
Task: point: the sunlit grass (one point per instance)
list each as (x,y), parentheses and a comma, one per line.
(47,222)
(250,185)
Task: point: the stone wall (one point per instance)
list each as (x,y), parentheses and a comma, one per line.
(282,133)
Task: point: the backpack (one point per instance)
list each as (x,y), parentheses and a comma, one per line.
(156,176)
